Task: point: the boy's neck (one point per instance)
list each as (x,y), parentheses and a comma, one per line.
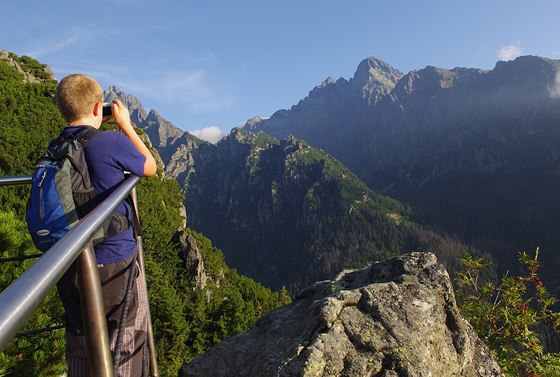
(84,122)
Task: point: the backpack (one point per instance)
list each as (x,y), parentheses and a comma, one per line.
(62,193)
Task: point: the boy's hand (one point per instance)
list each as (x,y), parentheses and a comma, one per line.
(121,116)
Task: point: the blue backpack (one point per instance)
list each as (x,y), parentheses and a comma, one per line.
(62,193)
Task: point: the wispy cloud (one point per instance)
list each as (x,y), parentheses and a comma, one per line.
(211,134)
(54,47)
(72,37)
(192,89)
(184,92)
(509,52)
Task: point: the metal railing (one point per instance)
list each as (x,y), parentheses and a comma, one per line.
(23,296)
(20,180)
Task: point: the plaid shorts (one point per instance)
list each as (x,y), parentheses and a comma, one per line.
(114,278)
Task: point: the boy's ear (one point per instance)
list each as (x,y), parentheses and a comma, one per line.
(98,109)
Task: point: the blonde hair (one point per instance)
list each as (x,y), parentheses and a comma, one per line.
(76,95)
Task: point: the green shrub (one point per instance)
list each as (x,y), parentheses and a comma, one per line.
(509,316)
(33,355)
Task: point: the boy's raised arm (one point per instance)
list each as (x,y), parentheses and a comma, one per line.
(122,119)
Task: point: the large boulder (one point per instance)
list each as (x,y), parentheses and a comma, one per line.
(394,318)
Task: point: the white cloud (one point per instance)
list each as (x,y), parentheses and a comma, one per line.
(211,134)
(509,52)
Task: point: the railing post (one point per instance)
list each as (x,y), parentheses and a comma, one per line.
(140,259)
(98,347)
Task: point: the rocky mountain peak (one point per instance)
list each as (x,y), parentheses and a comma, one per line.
(137,111)
(162,132)
(154,116)
(530,62)
(426,80)
(253,121)
(114,91)
(372,66)
(154,120)
(375,78)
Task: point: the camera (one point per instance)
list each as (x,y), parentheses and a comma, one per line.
(107,111)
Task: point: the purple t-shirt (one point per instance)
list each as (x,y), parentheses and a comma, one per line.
(108,155)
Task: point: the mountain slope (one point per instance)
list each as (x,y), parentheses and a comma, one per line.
(285,213)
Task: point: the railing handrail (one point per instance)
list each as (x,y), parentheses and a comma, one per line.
(23,296)
(17,180)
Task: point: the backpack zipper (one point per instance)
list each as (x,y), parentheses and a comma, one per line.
(43,176)
(40,185)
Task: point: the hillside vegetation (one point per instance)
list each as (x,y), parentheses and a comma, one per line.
(288,214)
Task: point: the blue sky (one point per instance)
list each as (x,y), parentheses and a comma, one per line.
(212,63)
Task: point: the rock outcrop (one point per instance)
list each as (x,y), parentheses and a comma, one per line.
(192,256)
(32,71)
(393,318)
(159,162)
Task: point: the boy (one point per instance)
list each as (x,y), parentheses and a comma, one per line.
(80,100)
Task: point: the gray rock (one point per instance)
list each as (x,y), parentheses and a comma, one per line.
(375,79)
(253,122)
(193,258)
(393,318)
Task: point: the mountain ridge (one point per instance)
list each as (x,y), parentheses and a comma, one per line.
(464,146)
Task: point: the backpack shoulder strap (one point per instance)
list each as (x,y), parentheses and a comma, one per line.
(83,136)
(87,134)
(76,156)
